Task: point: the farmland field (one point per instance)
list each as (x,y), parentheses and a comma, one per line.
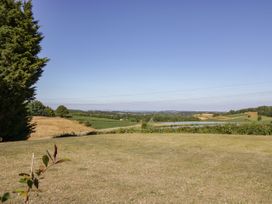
(147,168)
(102,123)
(242,117)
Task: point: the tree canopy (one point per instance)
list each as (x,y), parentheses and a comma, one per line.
(37,108)
(261,110)
(20,67)
(62,111)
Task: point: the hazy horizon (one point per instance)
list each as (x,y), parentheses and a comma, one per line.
(137,107)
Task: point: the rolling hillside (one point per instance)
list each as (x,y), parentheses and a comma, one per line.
(48,127)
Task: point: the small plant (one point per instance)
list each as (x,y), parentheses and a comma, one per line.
(32,180)
(144,125)
(4,197)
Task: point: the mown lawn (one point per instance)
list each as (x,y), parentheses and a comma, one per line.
(147,168)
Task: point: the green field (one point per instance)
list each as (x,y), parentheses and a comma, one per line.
(107,120)
(101,123)
(242,118)
(147,168)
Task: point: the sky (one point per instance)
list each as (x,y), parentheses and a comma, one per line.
(212,55)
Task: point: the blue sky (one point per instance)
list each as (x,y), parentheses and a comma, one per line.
(156,54)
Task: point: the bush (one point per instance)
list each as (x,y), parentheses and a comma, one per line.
(144,125)
(62,111)
(49,112)
(244,129)
(36,108)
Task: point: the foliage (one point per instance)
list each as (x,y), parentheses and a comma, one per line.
(62,111)
(36,108)
(20,66)
(31,180)
(144,125)
(137,117)
(49,112)
(261,110)
(244,129)
(4,197)
(99,122)
(14,119)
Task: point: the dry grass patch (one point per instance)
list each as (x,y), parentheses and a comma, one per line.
(48,127)
(204,116)
(148,168)
(253,115)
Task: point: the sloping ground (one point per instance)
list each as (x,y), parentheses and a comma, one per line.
(101,123)
(48,127)
(252,114)
(239,117)
(146,168)
(204,116)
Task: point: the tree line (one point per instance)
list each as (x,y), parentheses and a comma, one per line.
(261,110)
(139,116)
(37,108)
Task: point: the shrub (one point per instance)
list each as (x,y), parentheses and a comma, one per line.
(244,129)
(144,125)
(49,112)
(36,108)
(62,111)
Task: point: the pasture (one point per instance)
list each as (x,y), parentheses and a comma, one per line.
(247,117)
(101,123)
(147,168)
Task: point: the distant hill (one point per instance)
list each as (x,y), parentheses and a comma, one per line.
(261,110)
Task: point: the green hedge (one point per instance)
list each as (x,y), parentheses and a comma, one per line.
(242,129)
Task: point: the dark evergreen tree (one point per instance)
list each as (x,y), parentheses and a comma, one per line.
(20,67)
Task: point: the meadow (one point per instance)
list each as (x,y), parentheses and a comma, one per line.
(147,168)
(101,123)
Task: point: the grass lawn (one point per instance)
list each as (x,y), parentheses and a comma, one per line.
(102,123)
(147,168)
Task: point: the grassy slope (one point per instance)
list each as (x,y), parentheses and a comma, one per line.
(148,168)
(241,117)
(47,127)
(101,123)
